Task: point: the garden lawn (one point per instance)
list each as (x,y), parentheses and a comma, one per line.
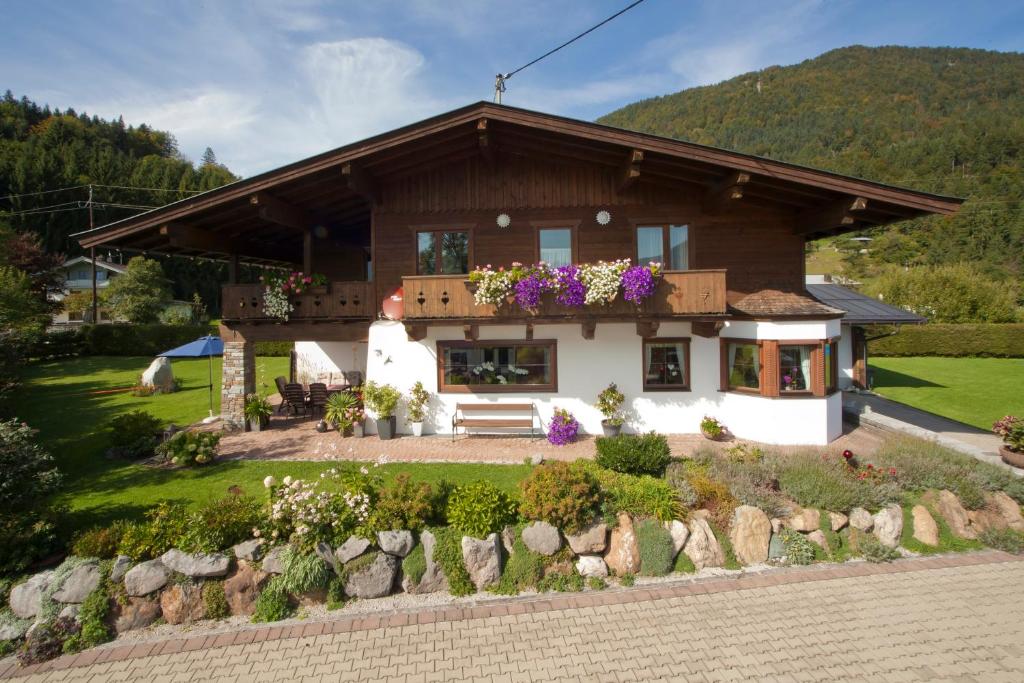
(975,391)
(70,401)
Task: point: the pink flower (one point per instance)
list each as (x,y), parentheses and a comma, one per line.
(307,280)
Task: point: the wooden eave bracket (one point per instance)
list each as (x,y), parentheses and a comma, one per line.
(359,181)
(707,328)
(529,331)
(631,169)
(471,332)
(588,328)
(726,193)
(415,331)
(274,210)
(842,214)
(647,328)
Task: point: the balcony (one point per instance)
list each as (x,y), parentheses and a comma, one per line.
(337,301)
(679,294)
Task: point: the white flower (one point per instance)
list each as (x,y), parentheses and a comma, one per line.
(287,481)
(363,470)
(269,481)
(256,533)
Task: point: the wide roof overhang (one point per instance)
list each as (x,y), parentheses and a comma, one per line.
(254,218)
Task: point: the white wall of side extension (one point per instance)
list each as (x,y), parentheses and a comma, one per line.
(325,361)
(846,358)
(585,367)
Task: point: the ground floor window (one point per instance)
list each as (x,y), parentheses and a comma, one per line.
(795,368)
(496,366)
(667,364)
(741,363)
(831,351)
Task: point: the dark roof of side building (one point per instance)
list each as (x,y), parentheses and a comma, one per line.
(861,309)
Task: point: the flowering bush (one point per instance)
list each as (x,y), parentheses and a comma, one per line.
(1011,430)
(190,448)
(564,428)
(639,282)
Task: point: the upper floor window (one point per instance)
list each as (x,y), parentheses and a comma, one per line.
(442,252)
(555,246)
(665,244)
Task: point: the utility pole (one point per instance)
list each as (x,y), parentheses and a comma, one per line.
(92,256)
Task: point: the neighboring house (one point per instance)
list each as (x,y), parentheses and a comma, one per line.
(859,311)
(397,221)
(78,278)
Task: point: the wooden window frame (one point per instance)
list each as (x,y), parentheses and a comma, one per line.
(666,252)
(724,366)
(443,388)
(573,226)
(816,376)
(685,341)
(438,230)
(834,363)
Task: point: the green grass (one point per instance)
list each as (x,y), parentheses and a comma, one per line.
(948,542)
(975,391)
(60,400)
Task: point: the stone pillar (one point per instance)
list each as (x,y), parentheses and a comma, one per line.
(239,379)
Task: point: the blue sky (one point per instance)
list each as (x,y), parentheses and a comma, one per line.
(265,83)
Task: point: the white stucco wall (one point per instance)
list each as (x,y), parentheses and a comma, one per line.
(585,367)
(846,358)
(325,361)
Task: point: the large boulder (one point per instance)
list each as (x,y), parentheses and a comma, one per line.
(750,533)
(623,555)
(25,599)
(82,580)
(837,520)
(482,558)
(398,543)
(272,563)
(133,612)
(243,586)
(592,539)
(120,567)
(861,519)
(251,550)
(591,565)
(952,512)
(541,537)
(804,519)
(702,547)
(196,565)
(889,525)
(159,375)
(433,579)
(371,576)
(351,549)
(146,577)
(1008,508)
(925,529)
(183,603)
(679,533)
(985,519)
(14,628)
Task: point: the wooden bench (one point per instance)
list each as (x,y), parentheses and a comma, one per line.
(460,419)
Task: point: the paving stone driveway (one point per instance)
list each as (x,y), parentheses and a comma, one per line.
(924,619)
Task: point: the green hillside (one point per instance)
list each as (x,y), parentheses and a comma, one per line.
(944,120)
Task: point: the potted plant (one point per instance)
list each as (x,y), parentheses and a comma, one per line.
(317,283)
(418,398)
(257,412)
(1011,430)
(609,402)
(383,399)
(339,411)
(712,429)
(564,428)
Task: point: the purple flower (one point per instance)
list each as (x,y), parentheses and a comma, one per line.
(528,291)
(563,429)
(571,292)
(638,283)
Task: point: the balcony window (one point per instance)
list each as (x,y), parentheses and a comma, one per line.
(742,365)
(555,246)
(440,252)
(667,364)
(665,244)
(495,367)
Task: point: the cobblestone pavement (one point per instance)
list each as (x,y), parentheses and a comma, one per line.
(952,617)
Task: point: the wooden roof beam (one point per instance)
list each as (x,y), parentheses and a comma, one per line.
(274,210)
(840,215)
(631,169)
(485,142)
(724,194)
(359,181)
(187,237)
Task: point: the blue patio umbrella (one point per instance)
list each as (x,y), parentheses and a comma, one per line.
(208,346)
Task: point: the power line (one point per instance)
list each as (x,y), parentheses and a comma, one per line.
(32,194)
(499,83)
(150,189)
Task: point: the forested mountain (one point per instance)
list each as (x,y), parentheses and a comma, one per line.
(43,151)
(945,120)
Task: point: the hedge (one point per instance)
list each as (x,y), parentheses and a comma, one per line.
(131,340)
(945,339)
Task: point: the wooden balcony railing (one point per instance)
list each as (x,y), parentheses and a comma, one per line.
(337,301)
(680,293)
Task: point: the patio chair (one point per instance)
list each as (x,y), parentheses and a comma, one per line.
(317,398)
(353,378)
(280,381)
(295,397)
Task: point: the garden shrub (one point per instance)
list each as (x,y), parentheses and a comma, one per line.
(642,496)
(480,508)
(448,554)
(272,603)
(710,493)
(266,348)
(627,580)
(677,476)
(27,528)
(92,615)
(684,564)
(190,448)
(46,641)
(750,478)
(656,549)
(441,492)
(303,572)
(101,542)
(335,593)
(596,583)
(404,504)
(134,435)
(936,339)
(561,583)
(1007,540)
(563,495)
(799,549)
(165,525)
(221,524)
(524,569)
(137,340)
(215,600)
(414,565)
(634,454)
(827,483)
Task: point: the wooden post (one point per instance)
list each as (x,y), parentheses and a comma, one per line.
(233,269)
(95,302)
(307,251)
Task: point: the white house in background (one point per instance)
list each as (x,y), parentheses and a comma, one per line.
(397,222)
(859,311)
(78,278)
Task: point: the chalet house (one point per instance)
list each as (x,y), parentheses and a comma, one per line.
(78,277)
(397,223)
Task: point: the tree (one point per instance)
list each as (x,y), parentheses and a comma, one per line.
(209,158)
(139,294)
(25,252)
(23,317)
(948,294)
(79,302)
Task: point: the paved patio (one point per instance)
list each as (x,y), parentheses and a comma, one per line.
(296,438)
(856,621)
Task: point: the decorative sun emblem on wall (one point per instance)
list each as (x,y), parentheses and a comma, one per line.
(603,217)
(504,220)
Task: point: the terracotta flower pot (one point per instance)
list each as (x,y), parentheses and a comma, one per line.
(1014,458)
